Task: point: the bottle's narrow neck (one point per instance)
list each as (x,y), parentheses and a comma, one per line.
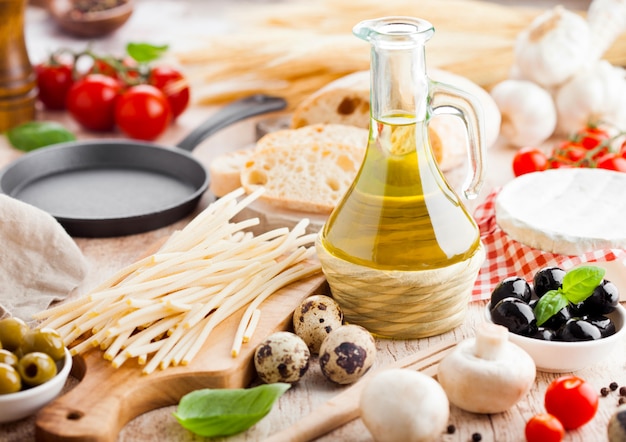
(399,85)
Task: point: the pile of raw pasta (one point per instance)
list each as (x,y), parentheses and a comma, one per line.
(162,309)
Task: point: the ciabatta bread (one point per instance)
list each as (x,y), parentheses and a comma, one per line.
(310,176)
(347,101)
(225,169)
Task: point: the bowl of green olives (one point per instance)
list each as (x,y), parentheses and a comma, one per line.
(565,320)
(34,366)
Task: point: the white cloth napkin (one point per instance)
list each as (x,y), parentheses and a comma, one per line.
(39,261)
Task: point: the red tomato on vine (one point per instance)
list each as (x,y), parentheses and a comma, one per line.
(54,80)
(91,101)
(143,112)
(174,85)
(529,159)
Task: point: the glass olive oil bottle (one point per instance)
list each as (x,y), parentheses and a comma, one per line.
(400,251)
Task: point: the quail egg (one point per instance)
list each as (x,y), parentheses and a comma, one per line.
(282,357)
(347,353)
(315,318)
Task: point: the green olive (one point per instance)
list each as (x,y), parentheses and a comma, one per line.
(36,368)
(12,331)
(44,340)
(10,381)
(9,358)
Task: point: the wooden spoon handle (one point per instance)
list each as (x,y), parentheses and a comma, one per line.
(344,407)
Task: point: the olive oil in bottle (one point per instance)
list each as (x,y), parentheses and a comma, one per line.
(400,213)
(400,251)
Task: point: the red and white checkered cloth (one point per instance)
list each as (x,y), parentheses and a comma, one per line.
(507,257)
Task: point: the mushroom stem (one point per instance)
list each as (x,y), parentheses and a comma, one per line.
(490,340)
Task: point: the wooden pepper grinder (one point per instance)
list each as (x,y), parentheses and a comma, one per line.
(17,78)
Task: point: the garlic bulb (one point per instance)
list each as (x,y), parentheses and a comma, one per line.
(607,20)
(596,94)
(553,47)
(528,112)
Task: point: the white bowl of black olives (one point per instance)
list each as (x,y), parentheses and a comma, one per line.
(34,366)
(565,320)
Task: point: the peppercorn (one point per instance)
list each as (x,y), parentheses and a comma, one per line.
(451,429)
(622,391)
(476,437)
(604,391)
(622,401)
(613,386)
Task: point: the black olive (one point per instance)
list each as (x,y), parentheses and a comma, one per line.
(511,287)
(545,334)
(557,320)
(604,324)
(577,329)
(514,314)
(546,279)
(604,299)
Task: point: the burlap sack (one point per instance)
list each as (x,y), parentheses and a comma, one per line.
(39,262)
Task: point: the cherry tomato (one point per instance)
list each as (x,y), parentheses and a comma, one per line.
(612,161)
(91,101)
(529,159)
(53,83)
(591,137)
(143,112)
(571,400)
(544,428)
(174,86)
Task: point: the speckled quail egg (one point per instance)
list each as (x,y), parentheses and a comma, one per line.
(315,318)
(282,357)
(347,353)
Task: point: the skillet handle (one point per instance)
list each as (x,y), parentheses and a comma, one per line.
(232,113)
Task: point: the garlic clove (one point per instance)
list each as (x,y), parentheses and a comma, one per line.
(529,115)
(553,47)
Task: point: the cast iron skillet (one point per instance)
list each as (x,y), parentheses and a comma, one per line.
(104,188)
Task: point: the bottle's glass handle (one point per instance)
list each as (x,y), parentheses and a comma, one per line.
(446,99)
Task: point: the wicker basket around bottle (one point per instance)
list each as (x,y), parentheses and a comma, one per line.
(402,304)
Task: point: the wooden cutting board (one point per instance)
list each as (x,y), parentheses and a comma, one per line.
(107,398)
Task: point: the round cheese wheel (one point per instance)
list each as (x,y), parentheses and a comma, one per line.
(565,211)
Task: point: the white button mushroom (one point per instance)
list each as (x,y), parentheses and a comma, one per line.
(315,318)
(282,357)
(347,353)
(487,374)
(404,405)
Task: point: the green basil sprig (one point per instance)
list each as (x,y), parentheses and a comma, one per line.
(145,52)
(224,412)
(35,134)
(578,285)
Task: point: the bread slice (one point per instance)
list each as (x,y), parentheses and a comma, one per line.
(225,169)
(310,176)
(343,101)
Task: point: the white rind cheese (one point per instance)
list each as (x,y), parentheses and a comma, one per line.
(565,211)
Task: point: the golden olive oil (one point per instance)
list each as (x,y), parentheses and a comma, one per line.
(400,213)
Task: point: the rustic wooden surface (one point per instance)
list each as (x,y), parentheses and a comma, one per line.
(107,255)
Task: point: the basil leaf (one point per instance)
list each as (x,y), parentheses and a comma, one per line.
(579,283)
(145,52)
(35,134)
(224,412)
(548,305)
